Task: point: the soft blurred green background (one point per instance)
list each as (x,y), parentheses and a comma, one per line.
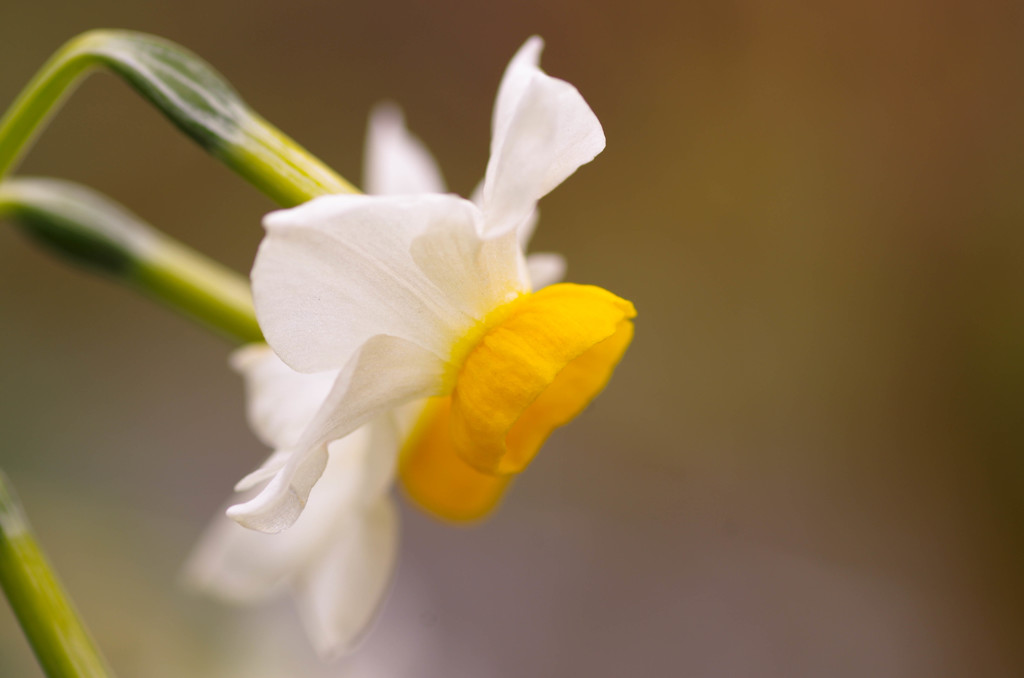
(810,463)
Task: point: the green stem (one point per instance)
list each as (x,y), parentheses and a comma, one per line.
(201,288)
(57,635)
(191,94)
(95,232)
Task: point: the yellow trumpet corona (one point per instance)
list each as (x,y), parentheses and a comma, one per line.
(534,366)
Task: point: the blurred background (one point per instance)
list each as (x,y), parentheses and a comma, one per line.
(810,463)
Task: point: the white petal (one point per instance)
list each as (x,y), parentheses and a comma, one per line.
(267,470)
(396,162)
(384,373)
(406,417)
(337,270)
(377,469)
(477,274)
(477,196)
(517,76)
(545,268)
(236,564)
(360,467)
(527,227)
(539,140)
(240,564)
(243,566)
(280,401)
(340,595)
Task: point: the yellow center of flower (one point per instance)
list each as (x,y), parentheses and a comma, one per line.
(533,366)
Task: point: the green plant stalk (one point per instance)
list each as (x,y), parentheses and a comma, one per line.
(190,93)
(93,231)
(200,288)
(58,638)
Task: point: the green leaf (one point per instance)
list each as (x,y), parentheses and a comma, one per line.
(193,96)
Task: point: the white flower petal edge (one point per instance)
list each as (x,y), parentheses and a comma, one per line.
(279,403)
(340,595)
(396,161)
(385,373)
(524,232)
(245,565)
(274,463)
(337,558)
(526,229)
(543,131)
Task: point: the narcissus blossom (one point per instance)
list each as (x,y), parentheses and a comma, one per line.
(429,296)
(337,559)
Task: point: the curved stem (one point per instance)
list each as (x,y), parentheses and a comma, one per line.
(200,288)
(191,94)
(95,232)
(59,639)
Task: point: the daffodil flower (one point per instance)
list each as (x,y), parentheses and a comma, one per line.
(338,557)
(418,296)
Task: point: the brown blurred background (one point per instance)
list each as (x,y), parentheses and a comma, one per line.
(811,462)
